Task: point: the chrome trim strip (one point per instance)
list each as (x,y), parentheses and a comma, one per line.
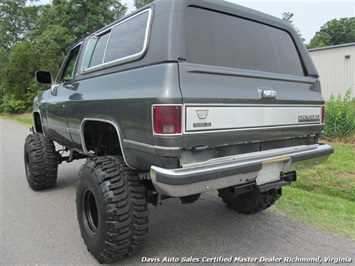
(153,147)
(249,129)
(229,117)
(211,105)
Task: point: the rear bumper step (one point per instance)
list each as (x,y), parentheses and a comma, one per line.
(261,167)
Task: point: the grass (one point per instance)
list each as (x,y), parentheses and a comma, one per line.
(334,178)
(322,196)
(332,214)
(23,119)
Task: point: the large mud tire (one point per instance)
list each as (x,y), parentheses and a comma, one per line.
(112,209)
(41,162)
(250,202)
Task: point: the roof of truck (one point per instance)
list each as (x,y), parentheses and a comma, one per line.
(170,14)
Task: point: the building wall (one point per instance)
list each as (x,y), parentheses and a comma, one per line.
(336,70)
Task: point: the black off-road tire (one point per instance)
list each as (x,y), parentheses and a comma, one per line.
(41,162)
(112,209)
(250,202)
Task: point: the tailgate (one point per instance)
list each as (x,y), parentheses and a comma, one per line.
(244,80)
(227,106)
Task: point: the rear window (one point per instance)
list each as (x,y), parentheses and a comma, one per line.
(219,39)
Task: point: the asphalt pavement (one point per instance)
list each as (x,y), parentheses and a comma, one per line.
(40,228)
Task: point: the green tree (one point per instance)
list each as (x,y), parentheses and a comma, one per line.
(3,60)
(141,3)
(17,19)
(11,23)
(83,17)
(336,31)
(37,37)
(51,47)
(339,118)
(287,16)
(18,79)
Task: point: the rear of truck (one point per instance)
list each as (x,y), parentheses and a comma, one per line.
(252,110)
(219,98)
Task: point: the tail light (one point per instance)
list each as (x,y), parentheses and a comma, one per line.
(167,119)
(322,115)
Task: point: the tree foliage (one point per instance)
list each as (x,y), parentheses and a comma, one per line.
(83,17)
(287,16)
(3,61)
(16,20)
(17,77)
(141,3)
(339,118)
(52,43)
(336,31)
(38,36)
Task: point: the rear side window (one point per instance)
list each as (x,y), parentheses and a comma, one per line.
(219,39)
(127,38)
(123,42)
(99,45)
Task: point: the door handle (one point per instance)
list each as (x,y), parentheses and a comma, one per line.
(269,94)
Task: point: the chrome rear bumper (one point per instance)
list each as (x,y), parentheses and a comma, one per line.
(261,167)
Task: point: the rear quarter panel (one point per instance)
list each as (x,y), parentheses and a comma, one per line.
(126,98)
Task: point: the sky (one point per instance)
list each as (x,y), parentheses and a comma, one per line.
(308,17)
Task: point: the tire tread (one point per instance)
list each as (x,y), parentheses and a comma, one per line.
(43,162)
(126,219)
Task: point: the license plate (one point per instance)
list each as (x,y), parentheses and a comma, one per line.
(271,170)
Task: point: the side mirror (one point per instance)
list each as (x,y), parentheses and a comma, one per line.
(43,77)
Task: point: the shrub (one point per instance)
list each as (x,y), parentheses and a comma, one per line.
(340,118)
(12,105)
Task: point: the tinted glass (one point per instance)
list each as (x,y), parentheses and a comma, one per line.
(68,70)
(127,38)
(219,39)
(99,50)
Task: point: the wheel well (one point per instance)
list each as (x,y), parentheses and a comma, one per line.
(37,122)
(101,138)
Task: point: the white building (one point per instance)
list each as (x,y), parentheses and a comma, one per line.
(336,68)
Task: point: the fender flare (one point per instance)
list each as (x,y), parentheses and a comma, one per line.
(102,120)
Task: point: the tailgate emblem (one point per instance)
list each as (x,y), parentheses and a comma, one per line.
(202,114)
(308,118)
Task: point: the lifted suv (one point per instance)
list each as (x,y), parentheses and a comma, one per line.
(179,98)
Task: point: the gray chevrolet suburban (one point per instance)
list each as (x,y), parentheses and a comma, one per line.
(176,99)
